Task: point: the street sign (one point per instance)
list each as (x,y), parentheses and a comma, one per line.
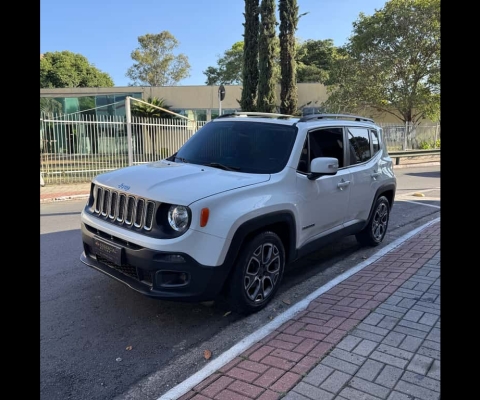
(221,96)
(221,92)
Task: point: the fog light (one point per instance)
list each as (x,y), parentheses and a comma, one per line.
(170,258)
(172,278)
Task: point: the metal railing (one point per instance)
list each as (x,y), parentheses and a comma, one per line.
(397,155)
(406,137)
(75,148)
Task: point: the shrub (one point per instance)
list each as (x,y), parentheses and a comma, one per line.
(424,145)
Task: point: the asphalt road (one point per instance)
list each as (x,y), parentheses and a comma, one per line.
(101,340)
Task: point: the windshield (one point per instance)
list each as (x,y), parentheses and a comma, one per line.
(244,146)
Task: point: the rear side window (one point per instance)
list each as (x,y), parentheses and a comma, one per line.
(359,145)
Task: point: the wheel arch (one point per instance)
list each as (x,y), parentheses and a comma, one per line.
(387,190)
(280,222)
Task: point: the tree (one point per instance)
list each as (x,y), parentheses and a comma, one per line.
(155,64)
(151,111)
(288,25)
(87,105)
(314,60)
(148,111)
(49,105)
(250,56)
(64,69)
(266,60)
(229,70)
(392,62)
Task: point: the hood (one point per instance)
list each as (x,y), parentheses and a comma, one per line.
(176,183)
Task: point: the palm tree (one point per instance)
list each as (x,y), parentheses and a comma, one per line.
(48,106)
(143,110)
(147,111)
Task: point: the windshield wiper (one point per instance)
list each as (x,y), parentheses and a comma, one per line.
(221,166)
(181,159)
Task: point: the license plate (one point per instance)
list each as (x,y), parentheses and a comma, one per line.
(107,250)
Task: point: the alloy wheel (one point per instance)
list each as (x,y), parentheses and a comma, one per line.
(262,272)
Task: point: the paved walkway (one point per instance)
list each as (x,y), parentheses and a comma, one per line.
(374,335)
(63,192)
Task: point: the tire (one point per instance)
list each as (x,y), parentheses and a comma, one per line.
(255,278)
(374,232)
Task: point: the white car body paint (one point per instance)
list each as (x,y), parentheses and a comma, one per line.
(318,207)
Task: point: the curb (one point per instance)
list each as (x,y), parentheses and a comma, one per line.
(416,165)
(64,198)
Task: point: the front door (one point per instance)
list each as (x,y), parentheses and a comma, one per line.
(323,202)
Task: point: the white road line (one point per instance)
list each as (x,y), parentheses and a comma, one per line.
(253,338)
(422,204)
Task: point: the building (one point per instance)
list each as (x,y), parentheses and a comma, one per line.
(196,102)
(200,103)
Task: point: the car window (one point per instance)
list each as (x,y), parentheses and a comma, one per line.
(359,145)
(327,142)
(375,141)
(244,146)
(304,158)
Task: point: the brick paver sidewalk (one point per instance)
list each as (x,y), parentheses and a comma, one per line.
(71,191)
(376,335)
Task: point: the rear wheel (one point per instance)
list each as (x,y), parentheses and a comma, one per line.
(257,273)
(374,232)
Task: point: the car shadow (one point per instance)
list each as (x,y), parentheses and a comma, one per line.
(429,174)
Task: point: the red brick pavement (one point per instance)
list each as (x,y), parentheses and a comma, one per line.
(273,366)
(64,192)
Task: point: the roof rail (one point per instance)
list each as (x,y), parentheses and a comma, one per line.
(337,116)
(255,114)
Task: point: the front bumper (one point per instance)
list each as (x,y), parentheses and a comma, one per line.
(146,271)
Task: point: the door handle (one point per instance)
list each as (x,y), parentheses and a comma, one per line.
(343,184)
(375,175)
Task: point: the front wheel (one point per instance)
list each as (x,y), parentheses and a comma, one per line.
(374,232)
(257,273)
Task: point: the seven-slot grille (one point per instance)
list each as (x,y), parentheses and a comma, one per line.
(123,208)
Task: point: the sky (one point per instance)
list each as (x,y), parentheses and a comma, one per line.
(106,31)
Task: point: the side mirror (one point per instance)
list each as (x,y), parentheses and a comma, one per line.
(322,166)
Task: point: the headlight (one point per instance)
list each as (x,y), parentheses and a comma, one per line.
(178,218)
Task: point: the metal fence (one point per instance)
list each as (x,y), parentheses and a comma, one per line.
(75,148)
(408,137)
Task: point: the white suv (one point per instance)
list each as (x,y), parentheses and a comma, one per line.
(246,194)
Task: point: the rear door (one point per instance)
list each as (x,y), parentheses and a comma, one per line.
(364,159)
